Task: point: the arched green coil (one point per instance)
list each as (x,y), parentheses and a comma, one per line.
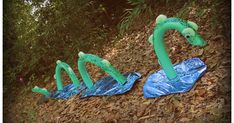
(41,91)
(187,28)
(69,71)
(83,58)
(102,63)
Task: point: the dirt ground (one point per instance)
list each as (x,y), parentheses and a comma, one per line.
(208,101)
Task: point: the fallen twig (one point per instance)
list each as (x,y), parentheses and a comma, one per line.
(146,117)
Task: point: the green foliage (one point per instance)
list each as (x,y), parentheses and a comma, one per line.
(32,115)
(39,32)
(18,29)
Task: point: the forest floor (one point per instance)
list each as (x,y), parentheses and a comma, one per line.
(208,101)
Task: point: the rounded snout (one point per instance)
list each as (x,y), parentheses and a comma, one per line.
(198,41)
(204,43)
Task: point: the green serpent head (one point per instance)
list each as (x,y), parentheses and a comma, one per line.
(190,33)
(187,28)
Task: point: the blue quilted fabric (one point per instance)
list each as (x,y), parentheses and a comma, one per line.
(105,86)
(68,91)
(188,72)
(109,86)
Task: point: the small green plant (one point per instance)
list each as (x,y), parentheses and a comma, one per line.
(32,116)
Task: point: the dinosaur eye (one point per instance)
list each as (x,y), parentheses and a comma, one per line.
(189,32)
(187,36)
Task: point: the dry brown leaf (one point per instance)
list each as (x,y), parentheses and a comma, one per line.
(185,120)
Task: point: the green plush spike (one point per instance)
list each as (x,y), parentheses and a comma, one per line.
(161,18)
(150,39)
(58,61)
(189,31)
(193,25)
(106,62)
(81,54)
(159,62)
